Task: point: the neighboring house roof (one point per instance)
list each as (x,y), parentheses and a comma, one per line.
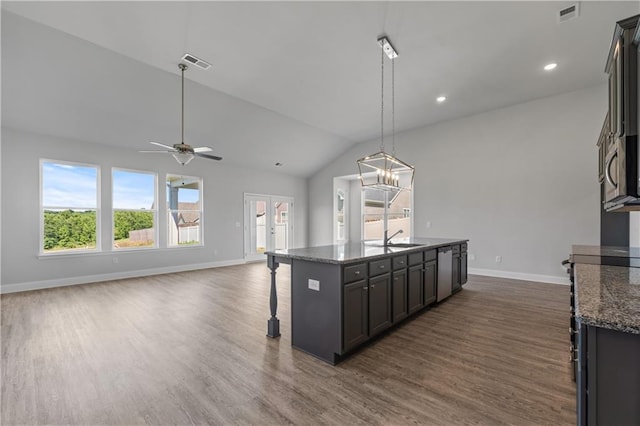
(188,214)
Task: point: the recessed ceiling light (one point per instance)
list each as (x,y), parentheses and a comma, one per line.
(550,66)
(441,98)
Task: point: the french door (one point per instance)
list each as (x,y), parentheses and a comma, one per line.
(268,225)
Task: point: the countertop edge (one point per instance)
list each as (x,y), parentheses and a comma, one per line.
(406,250)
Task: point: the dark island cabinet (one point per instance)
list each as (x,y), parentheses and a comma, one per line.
(356,314)
(430,281)
(399,295)
(379,304)
(607,376)
(455,279)
(415,289)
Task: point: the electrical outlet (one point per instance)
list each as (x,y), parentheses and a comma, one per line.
(498,259)
(472,256)
(237,224)
(428,224)
(314,285)
(115,259)
(215,252)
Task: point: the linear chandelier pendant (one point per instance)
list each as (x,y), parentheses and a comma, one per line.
(381,170)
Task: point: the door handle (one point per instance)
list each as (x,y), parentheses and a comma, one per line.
(607,171)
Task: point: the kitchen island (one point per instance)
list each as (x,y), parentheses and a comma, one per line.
(605,333)
(343,295)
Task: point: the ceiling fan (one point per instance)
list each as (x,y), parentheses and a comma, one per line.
(182,152)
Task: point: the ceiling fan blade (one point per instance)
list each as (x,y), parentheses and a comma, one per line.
(160,152)
(162,145)
(202,149)
(211,157)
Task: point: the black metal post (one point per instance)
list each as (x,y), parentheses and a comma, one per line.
(273,324)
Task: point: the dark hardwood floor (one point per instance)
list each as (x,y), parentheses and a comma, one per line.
(191,348)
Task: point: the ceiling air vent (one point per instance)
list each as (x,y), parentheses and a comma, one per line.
(196,61)
(569,13)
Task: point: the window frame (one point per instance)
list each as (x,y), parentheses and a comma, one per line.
(168,212)
(42,207)
(154,211)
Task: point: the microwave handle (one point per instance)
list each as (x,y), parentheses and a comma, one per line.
(607,170)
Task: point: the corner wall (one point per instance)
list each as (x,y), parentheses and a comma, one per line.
(518,182)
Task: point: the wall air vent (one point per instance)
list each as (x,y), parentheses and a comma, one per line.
(569,13)
(189,58)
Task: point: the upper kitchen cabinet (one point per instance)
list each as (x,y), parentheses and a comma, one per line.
(622,69)
(620,141)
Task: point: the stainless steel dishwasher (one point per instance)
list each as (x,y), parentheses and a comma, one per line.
(445,272)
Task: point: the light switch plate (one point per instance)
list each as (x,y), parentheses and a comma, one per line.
(314,285)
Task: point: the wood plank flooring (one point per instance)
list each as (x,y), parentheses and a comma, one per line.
(190,348)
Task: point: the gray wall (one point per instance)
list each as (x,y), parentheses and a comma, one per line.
(519,182)
(223,207)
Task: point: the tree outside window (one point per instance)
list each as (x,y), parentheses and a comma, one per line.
(69,208)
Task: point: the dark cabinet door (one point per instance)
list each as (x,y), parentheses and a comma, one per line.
(430,282)
(399,295)
(379,303)
(455,279)
(415,289)
(355,314)
(463,268)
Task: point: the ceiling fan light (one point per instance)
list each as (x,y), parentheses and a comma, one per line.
(183,157)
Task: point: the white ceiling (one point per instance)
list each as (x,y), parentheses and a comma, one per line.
(315,63)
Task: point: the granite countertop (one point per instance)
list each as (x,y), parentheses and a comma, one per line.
(606,255)
(357,251)
(608,296)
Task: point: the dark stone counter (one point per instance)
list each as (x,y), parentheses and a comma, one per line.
(608,296)
(355,252)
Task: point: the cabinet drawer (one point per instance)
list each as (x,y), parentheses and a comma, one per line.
(379,267)
(355,272)
(463,248)
(415,258)
(456,250)
(399,262)
(430,255)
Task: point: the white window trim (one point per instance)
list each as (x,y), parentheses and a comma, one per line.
(98,249)
(154,211)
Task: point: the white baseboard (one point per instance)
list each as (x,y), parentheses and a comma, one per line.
(551,279)
(88,279)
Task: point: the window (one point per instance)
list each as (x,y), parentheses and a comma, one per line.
(385,210)
(69,207)
(134,209)
(184,211)
(340,213)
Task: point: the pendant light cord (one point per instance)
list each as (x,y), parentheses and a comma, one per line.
(382,100)
(393,107)
(182,67)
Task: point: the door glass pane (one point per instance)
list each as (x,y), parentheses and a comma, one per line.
(281,230)
(258,226)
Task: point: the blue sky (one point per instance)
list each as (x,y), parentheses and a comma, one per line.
(73,186)
(68,186)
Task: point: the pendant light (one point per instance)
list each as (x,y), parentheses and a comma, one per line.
(382,170)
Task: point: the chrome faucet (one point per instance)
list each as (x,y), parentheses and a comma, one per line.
(386,240)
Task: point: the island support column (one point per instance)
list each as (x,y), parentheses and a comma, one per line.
(273,324)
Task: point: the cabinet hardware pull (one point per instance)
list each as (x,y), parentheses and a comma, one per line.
(402,262)
(373,286)
(365,288)
(381,266)
(607,171)
(357,272)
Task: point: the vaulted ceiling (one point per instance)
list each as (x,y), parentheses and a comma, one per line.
(293,82)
